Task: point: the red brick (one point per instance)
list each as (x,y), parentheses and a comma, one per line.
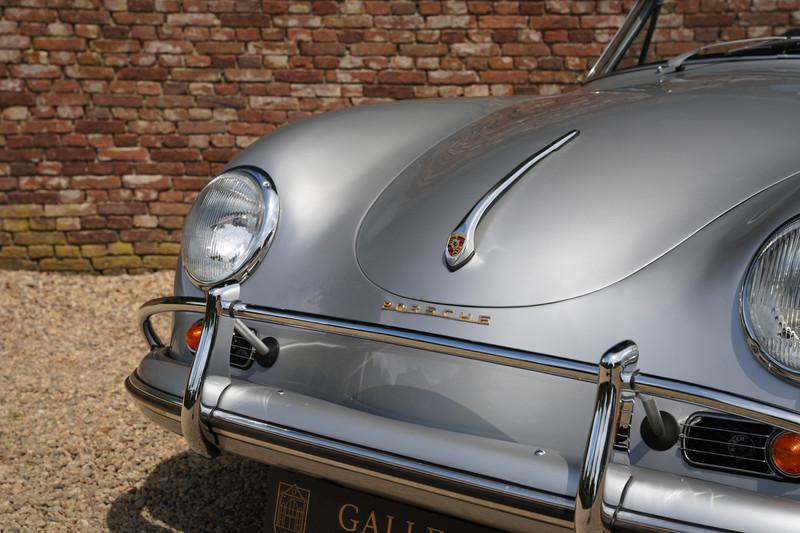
(95,182)
(15,155)
(220,48)
(146,182)
(551,22)
(191,184)
(17,99)
(121,208)
(201,127)
(141,5)
(91,236)
(89,72)
(502,21)
(168,47)
(99,126)
(401,77)
(116,100)
(250,128)
(223,155)
(115,46)
(323,49)
(175,155)
(299,76)
(244,20)
(525,49)
(36,71)
(764,19)
(57,43)
(46,126)
(373,49)
(418,50)
(144,235)
(85,16)
(142,73)
(70,154)
(248,75)
(504,76)
(123,154)
(14,41)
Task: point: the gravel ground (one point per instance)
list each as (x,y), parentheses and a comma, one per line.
(75,453)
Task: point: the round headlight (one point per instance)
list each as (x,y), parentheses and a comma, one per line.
(771,302)
(229,227)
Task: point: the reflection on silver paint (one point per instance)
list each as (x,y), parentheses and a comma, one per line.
(706,504)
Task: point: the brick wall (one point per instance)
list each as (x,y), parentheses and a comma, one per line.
(113,114)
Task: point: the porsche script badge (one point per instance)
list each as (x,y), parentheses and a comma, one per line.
(434,311)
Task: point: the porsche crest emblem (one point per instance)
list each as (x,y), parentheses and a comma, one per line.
(455,244)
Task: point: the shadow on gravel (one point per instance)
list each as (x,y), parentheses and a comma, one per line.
(189,493)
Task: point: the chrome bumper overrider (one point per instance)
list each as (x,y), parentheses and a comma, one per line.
(605,476)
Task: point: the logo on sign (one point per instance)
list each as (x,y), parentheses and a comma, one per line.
(291,509)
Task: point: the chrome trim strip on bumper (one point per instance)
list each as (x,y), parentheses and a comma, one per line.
(399,337)
(469,488)
(613,377)
(160,402)
(641,383)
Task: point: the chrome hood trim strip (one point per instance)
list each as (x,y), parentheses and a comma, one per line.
(460,246)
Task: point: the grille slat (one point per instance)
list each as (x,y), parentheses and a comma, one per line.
(692,450)
(731,431)
(724,442)
(756,447)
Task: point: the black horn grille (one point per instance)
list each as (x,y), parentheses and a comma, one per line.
(242,352)
(727,443)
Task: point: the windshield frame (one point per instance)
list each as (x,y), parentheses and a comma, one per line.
(619,44)
(646,12)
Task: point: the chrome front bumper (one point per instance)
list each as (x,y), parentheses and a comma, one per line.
(611,494)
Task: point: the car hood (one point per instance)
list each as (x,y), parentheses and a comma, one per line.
(652,165)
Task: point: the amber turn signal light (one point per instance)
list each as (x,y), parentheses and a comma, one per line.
(193,335)
(785,451)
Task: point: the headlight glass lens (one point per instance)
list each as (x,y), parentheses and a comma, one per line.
(771,301)
(228,224)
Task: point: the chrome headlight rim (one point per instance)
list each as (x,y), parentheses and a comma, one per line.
(264,237)
(763,356)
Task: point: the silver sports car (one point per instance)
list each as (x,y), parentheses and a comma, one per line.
(577,312)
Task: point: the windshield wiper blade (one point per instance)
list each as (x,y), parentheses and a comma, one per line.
(783,46)
(675,64)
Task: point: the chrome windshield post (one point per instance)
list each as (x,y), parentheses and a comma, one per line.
(625,35)
(610,427)
(191,427)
